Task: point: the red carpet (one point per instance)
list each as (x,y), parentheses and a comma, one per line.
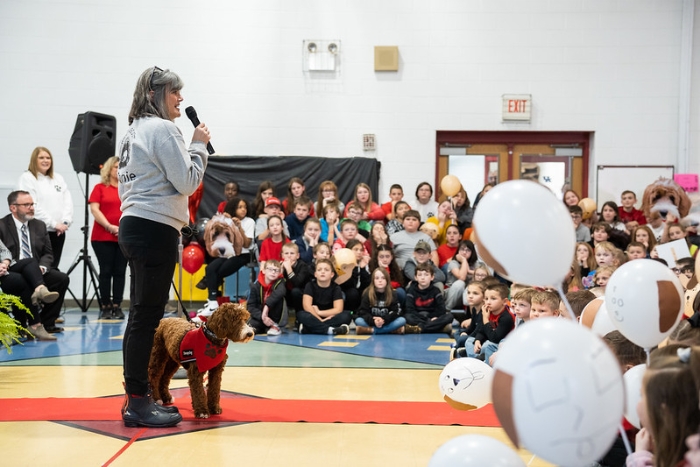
(248,409)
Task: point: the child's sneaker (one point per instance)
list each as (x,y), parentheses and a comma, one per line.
(411,329)
(448,330)
(458,352)
(274,331)
(208,309)
(340,330)
(301,328)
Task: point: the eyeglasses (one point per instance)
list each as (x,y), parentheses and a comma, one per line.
(576,216)
(272,270)
(25,205)
(153,73)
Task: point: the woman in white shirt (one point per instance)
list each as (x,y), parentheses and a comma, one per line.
(54,205)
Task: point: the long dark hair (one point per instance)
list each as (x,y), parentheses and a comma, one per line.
(394,269)
(259,203)
(473,258)
(232,207)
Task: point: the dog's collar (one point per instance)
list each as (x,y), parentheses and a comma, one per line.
(213,337)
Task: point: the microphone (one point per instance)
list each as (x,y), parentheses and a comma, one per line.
(192,115)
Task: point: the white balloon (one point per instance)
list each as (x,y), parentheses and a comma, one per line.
(633,392)
(644,299)
(525,233)
(465,383)
(475,451)
(558,391)
(595,317)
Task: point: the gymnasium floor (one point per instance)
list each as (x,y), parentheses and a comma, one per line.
(290,400)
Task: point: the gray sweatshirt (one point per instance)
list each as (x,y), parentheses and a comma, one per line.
(157,172)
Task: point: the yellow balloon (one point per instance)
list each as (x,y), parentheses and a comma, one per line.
(344,258)
(587,206)
(450,185)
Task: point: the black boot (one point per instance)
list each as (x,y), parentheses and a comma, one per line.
(143,411)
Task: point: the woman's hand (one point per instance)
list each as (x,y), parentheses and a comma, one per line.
(61,228)
(201,134)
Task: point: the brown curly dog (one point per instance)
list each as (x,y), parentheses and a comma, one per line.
(664,197)
(200,349)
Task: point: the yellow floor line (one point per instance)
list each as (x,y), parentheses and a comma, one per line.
(337,344)
(444,348)
(444,340)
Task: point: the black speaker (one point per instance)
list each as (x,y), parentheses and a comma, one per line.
(93,142)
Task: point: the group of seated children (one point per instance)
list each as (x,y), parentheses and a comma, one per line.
(293,250)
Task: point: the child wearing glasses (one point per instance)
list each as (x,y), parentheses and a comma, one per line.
(266,301)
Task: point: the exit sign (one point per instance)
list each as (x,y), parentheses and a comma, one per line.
(517,107)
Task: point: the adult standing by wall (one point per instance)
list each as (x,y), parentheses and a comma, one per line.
(54,205)
(157,172)
(105,206)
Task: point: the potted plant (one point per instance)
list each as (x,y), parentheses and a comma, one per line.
(9,327)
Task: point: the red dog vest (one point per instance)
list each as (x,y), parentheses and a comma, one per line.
(195,347)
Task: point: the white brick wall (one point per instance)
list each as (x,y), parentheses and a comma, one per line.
(609,66)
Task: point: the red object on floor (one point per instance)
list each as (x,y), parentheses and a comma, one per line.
(249,409)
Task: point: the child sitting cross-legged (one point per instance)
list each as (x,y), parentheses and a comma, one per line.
(425,305)
(467,327)
(380,312)
(496,322)
(266,301)
(323,304)
(521,303)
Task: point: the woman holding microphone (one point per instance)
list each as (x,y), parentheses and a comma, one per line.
(157,172)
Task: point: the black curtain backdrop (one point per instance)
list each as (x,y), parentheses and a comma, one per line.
(250,171)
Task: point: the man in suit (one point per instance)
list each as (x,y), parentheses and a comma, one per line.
(39,246)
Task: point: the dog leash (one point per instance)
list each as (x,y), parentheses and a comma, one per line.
(182,305)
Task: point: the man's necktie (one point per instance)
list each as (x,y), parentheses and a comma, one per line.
(26,252)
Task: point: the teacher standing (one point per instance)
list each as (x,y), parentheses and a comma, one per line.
(54,205)
(157,172)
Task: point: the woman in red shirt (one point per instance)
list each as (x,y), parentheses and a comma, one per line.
(105,207)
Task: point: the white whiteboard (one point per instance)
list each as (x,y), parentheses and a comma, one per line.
(612,180)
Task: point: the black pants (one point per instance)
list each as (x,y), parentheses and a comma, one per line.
(313,325)
(57,242)
(55,281)
(23,277)
(220,268)
(426,324)
(151,251)
(112,271)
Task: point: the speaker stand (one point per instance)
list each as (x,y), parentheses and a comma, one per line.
(88,266)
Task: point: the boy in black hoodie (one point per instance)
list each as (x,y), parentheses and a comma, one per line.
(425,304)
(266,301)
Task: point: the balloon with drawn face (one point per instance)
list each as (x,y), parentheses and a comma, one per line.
(465,383)
(644,299)
(557,390)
